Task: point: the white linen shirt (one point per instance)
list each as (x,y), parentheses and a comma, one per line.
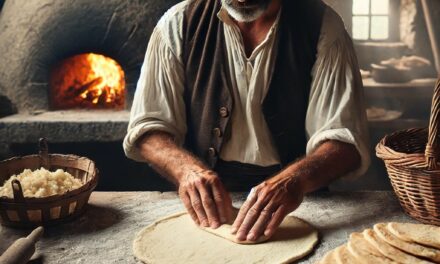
(336,108)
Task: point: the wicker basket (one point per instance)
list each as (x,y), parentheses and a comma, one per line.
(412,160)
(31,212)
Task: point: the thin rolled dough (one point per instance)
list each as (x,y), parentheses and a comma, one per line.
(224,231)
(176,239)
(330,256)
(427,235)
(412,248)
(343,256)
(364,252)
(339,255)
(390,251)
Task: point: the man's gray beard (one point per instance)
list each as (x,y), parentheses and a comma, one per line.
(243,15)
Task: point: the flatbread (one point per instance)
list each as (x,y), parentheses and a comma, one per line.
(343,256)
(176,239)
(224,231)
(427,235)
(390,251)
(339,255)
(412,248)
(364,252)
(332,256)
(329,257)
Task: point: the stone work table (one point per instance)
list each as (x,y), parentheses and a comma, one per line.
(104,234)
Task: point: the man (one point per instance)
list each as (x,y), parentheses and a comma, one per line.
(235,94)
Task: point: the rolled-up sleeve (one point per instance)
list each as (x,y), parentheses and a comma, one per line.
(158,101)
(336,104)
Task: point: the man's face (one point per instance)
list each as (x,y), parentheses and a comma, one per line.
(245,10)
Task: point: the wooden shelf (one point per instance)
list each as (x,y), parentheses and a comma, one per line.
(418,84)
(397,124)
(412,98)
(419,90)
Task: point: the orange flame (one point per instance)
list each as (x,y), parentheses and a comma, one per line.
(88,81)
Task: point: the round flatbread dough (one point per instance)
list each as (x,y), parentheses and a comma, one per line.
(427,235)
(390,251)
(364,252)
(412,248)
(343,256)
(339,255)
(330,256)
(224,231)
(176,239)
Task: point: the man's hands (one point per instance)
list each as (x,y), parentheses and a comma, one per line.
(272,200)
(209,204)
(205,198)
(266,207)
(200,189)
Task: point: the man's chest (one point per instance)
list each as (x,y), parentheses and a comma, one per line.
(249,74)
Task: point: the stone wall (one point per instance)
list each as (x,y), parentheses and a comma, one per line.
(36,34)
(413,28)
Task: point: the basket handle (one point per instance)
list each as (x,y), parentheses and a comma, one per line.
(432,151)
(44,153)
(17,190)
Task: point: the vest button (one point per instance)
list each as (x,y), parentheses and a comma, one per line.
(217,132)
(224,112)
(212,152)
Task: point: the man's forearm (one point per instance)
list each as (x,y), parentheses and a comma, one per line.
(329,161)
(171,161)
(199,187)
(270,201)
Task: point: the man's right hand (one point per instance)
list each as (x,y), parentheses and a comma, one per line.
(205,198)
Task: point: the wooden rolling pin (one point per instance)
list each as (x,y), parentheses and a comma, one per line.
(22,250)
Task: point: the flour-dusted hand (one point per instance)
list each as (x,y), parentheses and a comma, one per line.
(200,188)
(205,198)
(266,207)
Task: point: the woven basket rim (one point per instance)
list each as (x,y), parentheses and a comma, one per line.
(50,155)
(399,158)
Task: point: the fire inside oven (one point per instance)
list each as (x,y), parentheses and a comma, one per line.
(88,81)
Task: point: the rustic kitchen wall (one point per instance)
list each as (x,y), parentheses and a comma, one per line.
(37,34)
(413,27)
(34,36)
(413,40)
(422,44)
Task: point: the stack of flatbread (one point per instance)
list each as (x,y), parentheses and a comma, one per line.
(389,243)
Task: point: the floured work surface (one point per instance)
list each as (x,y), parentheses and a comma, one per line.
(176,239)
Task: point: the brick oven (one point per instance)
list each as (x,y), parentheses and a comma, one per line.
(68,72)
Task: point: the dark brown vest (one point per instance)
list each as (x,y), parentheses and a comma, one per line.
(207,92)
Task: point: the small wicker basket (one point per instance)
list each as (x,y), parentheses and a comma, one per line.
(30,212)
(412,159)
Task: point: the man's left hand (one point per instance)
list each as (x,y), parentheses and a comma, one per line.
(266,206)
